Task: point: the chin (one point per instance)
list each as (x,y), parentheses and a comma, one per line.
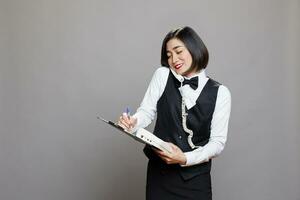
(181,72)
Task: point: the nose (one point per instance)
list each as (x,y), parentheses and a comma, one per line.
(174,58)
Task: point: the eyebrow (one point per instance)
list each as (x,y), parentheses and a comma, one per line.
(174,48)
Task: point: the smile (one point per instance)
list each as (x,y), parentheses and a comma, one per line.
(178,66)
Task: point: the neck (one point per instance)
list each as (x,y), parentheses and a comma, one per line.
(191,74)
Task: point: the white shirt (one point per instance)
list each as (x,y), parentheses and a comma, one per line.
(219,124)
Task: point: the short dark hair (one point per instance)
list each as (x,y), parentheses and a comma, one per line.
(192,42)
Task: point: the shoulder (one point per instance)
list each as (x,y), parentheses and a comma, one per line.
(162,71)
(161,74)
(213,83)
(158,82)
(224,93)
(222,89)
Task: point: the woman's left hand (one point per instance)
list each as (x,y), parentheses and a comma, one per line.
(175,157)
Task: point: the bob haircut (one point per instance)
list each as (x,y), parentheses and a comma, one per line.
(192,42)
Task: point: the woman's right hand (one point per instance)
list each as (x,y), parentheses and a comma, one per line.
(127,122)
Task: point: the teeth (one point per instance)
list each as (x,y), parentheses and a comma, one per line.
(178,66)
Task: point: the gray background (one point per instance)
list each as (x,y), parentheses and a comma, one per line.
(63,62)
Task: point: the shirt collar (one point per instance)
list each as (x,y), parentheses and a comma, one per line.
(188,94)
(201,76)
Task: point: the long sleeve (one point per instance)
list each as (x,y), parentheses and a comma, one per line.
(147,110)
(219,129)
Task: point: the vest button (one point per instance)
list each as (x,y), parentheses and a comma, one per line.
(180,136)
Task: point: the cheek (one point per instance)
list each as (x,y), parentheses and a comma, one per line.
(169,62)
(188,58)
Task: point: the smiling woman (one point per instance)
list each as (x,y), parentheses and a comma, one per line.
(184,44)
(179,58)
(192,115)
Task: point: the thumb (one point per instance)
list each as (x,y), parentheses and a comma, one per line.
(174,147)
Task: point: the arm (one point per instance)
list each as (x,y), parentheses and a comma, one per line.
(147,110)
(218,136)
(219,129)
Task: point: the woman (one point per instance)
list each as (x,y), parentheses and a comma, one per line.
(192,115)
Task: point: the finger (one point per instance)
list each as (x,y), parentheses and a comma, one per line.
(168,161)
(164,155)
(126,118)
(164,158)
(124,123)
(155,149)
(124,127)
(159,152)
(173,146)
(127,121)
(133,121)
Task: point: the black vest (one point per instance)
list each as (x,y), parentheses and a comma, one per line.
(169,122)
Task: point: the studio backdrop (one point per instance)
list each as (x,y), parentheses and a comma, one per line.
(63,63)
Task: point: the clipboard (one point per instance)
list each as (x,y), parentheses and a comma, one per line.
(143,136)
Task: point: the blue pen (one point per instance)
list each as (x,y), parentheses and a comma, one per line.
(128,112)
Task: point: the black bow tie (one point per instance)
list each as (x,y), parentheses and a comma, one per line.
(193,82)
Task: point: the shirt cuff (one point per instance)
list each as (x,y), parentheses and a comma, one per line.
(192,158)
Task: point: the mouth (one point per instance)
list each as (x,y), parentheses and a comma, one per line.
(178,66)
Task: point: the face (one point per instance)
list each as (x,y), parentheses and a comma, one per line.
(179,58)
